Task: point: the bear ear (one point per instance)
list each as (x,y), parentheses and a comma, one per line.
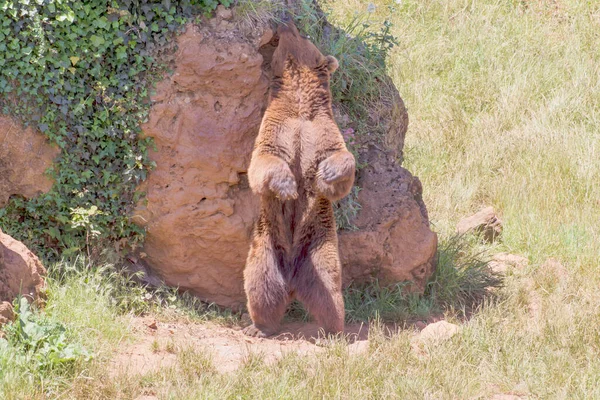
(332,64)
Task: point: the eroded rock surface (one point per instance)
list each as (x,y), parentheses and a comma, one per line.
(199,211)
(21,273)
(25,155)
(394,242)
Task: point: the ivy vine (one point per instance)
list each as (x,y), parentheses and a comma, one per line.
(81,73)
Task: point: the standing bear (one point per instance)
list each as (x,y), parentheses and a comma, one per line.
(299,166)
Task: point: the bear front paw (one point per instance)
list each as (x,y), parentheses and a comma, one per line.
(284,187)
(338,167)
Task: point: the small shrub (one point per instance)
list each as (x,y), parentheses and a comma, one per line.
(40,343)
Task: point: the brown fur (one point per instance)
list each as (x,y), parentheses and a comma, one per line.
(299,165)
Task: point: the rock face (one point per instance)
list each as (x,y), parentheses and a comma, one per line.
(199,211)
(393,242)
(25,155)
(21,273)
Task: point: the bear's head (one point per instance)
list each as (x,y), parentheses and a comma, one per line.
(293,46)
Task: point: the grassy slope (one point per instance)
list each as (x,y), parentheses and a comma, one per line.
(504,100)
(505,107)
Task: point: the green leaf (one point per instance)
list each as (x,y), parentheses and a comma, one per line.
(97,40)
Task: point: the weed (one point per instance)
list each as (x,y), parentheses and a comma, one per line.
(346,210)
(462,279)
(41,340)
(155,346)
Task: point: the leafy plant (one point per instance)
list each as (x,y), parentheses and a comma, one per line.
(82,218)
(40,340)
(81,73)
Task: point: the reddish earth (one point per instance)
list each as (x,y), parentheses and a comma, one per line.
(157,344)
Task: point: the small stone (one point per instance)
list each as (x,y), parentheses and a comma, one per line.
(6,313)
(485,222)
(224,13)
(439,332)
(266,37)
(502,262)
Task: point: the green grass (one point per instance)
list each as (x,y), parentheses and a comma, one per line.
(504,102)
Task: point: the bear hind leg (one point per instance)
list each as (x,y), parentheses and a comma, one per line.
(317,284)
(266,290)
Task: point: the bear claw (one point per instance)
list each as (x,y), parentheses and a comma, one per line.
(253,331)
(285,189)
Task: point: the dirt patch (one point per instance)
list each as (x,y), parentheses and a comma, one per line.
(159,342)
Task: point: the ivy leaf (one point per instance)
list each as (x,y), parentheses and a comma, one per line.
(74,60)
(97,40)
(69,16)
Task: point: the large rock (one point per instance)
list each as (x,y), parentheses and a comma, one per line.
(394,242)
(21,273)
(25,155)
(199,211)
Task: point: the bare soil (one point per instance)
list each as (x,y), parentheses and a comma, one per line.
(157,344)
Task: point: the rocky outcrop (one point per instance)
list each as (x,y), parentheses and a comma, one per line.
(21,273)
(25,155)
(199,211)
(394,242)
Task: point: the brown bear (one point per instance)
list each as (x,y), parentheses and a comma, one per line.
(299,166)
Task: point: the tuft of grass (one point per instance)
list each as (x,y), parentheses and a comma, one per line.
(259,12)
(462,279)
(394,303)
(128,296)
(461,283)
